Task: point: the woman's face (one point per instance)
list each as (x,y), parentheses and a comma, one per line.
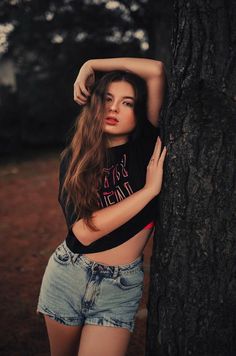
(119,120)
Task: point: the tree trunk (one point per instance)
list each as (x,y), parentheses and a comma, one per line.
(192,303)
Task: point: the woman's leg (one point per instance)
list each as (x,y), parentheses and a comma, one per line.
(63,339)
(103,341)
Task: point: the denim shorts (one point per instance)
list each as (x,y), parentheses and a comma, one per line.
(77,291)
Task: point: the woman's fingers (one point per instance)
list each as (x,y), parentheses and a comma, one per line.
(80,94)
(84,91)
(157,150)
(80,100)
(162,157)
(80,90)
(83,82)
(158,156)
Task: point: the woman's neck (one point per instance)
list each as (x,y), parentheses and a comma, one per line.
(117,141)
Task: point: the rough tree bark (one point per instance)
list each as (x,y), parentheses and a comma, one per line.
(192,303)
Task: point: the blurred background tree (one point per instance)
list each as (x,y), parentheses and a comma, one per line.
(46,44)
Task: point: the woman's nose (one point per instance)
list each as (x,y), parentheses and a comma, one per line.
(114,106)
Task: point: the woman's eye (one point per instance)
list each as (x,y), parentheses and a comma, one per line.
(108,99)
(129,104)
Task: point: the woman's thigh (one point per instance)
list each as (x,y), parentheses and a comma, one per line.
(103,341)
(63,339)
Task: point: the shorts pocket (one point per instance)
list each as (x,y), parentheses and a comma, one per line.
(131,280)
(61,255)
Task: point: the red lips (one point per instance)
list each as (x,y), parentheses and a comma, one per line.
(111,120)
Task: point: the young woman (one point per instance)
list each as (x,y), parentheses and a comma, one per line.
(110,177)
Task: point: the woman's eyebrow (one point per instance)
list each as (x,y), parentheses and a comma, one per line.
(128,97)
(124,97)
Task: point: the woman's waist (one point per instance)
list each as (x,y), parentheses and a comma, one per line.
(124,253)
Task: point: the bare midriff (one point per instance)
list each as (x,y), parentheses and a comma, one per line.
(125,253)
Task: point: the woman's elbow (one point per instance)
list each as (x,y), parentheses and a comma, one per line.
(159,68)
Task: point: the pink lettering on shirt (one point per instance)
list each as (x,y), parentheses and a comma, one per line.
(116,186)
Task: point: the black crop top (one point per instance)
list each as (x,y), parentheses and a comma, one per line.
(125,175)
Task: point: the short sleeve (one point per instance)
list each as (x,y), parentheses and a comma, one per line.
(69,214)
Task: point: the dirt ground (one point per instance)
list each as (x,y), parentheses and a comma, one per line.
(32,225)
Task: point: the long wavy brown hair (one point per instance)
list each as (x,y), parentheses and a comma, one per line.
(88,149)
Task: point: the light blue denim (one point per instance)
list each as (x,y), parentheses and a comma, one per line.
(78,291)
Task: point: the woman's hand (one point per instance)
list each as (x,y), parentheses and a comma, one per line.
(83,83)
(154,173)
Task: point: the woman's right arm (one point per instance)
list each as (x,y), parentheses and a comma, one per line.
(112,217)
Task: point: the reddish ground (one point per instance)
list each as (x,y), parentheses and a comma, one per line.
(32,225)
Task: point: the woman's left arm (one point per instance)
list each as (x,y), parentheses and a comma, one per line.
(150,70)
